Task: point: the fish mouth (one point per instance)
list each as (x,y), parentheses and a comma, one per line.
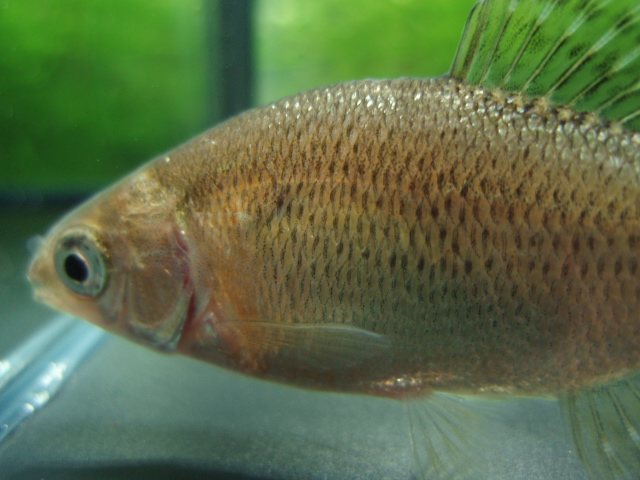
(36,276)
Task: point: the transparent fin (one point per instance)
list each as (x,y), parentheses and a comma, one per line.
(322,346)
(605,423)
(576,53)
(450,435)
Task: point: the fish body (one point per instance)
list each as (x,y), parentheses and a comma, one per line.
(480,248)
(386,237)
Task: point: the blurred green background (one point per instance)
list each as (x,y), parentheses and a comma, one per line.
(90,89)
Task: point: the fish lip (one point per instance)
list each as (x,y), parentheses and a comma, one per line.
(35,282)
(34,275)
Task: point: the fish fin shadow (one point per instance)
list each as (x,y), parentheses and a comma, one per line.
(605,424)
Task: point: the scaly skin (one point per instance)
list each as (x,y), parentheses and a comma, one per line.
(495,241)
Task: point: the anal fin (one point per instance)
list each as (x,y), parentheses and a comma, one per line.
(450,434)
(605,424)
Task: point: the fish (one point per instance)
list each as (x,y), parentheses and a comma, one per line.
(474,236)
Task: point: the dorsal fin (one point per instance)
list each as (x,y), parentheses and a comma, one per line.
(583,54)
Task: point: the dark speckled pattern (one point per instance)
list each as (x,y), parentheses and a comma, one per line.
(494,238)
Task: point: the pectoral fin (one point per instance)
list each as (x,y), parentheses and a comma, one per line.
(605,423)
(322,346)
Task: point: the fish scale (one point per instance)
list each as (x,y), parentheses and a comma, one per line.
(471,231)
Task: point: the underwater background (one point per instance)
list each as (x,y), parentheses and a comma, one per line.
(88,91)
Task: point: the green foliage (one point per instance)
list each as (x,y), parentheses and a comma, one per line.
(306,44)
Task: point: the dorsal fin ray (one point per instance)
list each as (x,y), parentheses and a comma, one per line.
(583,54)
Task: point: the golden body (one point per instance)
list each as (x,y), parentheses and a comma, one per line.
(495,242)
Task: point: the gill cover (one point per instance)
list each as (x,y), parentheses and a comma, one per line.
(158,289)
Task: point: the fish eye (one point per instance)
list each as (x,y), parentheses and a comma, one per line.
(80,263)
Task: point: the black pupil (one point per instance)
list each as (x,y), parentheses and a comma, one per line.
(76,268)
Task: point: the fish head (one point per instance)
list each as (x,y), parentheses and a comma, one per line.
(120,261)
